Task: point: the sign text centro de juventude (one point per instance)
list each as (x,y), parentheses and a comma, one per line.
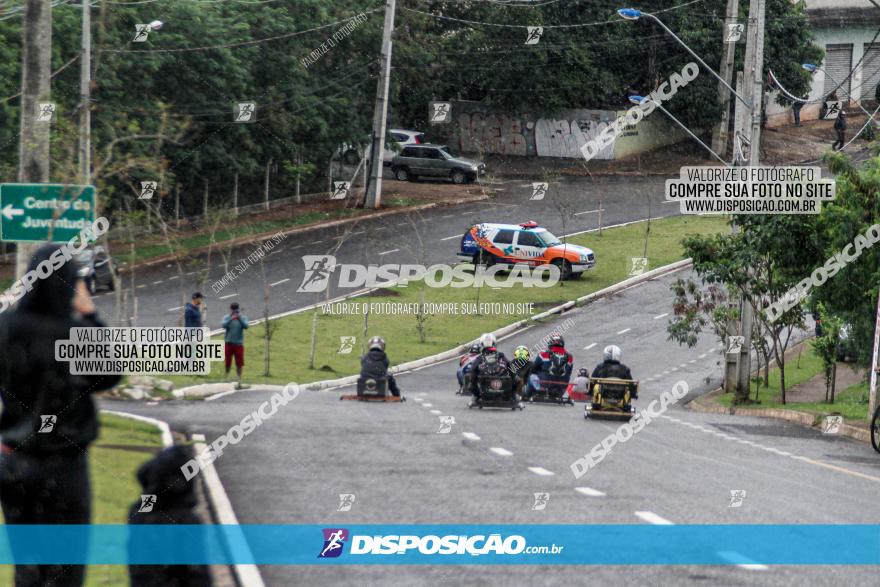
(29,210)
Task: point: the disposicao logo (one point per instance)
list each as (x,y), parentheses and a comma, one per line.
(334,540)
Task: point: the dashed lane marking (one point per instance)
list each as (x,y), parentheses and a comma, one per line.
(624,331)
(589,491)
(741,561)
(173,277)
(470,436)
(653,518)
(232,295)
(541,471)
(175,309)
(663,315)
(388,252)
(589,346)
(279,282)
(589,212)
(158,282)
(428,405)
(436,412)
(449,238)
(501,452)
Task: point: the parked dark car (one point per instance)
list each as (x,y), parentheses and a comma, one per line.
(96,268)
(434,161)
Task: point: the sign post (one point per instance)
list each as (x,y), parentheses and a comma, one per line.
(40,212)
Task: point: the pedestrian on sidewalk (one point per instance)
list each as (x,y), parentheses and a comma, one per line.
(49,418)
(796,109)
(192,314)
(235,324)
(840,128)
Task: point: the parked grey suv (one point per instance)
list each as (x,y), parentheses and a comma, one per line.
(434,161)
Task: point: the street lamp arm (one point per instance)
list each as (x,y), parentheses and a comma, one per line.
(700,61)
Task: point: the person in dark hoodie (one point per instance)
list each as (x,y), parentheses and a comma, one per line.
(168,498)
(48,419)
(192,313)
(375,364)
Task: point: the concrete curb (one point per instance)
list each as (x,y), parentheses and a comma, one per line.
(248,575)
(309,227)
(167,439)
(805,419)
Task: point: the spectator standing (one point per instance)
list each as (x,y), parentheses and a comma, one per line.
(235,323)
(796,109)
(840,128)
(49,418)
(192,314)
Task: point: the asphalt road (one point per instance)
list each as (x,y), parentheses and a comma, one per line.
(390,240)
(681,468)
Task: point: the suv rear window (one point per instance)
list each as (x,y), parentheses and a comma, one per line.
(529,239)
(504,237)
(411,152)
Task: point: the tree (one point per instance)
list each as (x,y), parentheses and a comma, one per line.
(826,347)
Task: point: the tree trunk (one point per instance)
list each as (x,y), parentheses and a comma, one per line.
(314,339)
(833,380)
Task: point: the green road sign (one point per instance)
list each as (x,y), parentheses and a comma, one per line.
(27,211)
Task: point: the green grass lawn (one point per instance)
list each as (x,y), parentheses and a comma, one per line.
(851,402)
(114,487)
(290,344)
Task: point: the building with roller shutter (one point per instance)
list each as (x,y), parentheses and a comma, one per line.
(849,32)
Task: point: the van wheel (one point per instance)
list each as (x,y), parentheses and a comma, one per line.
(402,174)
(483,258)
(458,176)
(564,268)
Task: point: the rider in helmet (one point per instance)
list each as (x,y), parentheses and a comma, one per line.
(375,364)
(582,381)
(554,365)
(466,362)
(491,361)
(521,365)
(611,365)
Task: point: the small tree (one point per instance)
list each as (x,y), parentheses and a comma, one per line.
(826,347)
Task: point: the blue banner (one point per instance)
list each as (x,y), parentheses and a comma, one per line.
(608,544)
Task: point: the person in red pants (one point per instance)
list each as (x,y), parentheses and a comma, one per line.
(235,323)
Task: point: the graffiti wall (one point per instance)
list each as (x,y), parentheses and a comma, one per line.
(476,130)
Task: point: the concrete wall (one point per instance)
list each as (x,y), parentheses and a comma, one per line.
(475,129)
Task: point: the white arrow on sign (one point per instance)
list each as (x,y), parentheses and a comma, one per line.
(9,212)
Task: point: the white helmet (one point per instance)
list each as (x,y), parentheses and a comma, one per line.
(611,353)
(377,342)
(487,340)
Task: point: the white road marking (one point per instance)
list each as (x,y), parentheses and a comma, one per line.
(232,295)
(428,405)
(541,471)
(193,272)
(436,412)
(668,202)
(741,561)
(589,211)
(624,331)
(387,252)
(663,315)
(418,399)
(589,346)
(157,282)
(175,309)
(682,365)
(446,216)
(653,518)
(173,277)
(692,361)
(211,398)
(589,491)
(470,436)
(141,286)
(703,356)
(502,452)
(279,282)
(449,238)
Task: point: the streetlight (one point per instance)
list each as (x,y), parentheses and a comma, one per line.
(812,68)
(638,100)
(635,14)
(155,25)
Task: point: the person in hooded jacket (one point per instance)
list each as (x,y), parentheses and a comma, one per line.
(553,365)
(49,418)
(374,365)
(611,366)
(170,499)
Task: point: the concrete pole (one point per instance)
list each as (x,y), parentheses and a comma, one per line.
(33,142)
(720,136)
(380,116)
(85,82)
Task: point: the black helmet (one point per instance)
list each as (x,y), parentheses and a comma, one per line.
(556,340)
(474,348)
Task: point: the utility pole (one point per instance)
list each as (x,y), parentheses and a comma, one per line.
(720,136)
(373,196)
(85,82)
(33,141)
(750,130)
